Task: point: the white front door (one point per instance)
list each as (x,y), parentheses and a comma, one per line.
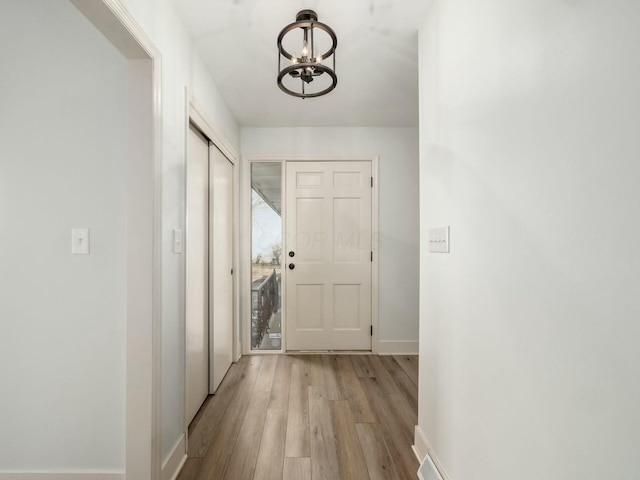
(328,278)
(222,264)
(197,284)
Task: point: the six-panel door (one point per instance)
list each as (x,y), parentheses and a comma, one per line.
(328,278)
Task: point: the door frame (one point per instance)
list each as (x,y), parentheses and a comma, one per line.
(194,113)
(143,443)
(245,247)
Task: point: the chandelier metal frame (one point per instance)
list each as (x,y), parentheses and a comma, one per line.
(308,65)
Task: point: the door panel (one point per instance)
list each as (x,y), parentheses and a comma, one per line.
(310,240)
(329,231)
(346,248)
(197,283)
(346,307)
(222,263)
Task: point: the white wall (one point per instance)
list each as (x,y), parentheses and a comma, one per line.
(73,350)
(529,149)
(62,317)
(181,66)
(398,150)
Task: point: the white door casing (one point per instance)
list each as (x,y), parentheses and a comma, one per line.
(197,282)
(329,229)
(221,266)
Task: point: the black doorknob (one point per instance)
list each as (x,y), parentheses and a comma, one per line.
(291,254)
(291,266)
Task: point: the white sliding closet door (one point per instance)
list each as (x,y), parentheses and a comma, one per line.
(197,282)
(221,266)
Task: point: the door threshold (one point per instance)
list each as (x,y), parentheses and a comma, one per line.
(325,352)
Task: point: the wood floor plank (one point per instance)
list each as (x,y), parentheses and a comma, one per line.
(245,451)
(362,366)
(301,359)
(350,457)
(267,372)
(407,417)
(333,380)
(379,462)
(281,382)
(316,370)
(202,432)
(409,366)
(297,442)
(251,360)
(190,469)
(390,363)
(362,412)
(415,359)
(200,413)
(406,387)
(225,434)
(297,469)
(322,443)
(397,433)
(269,465)
(340,417)
(383,376)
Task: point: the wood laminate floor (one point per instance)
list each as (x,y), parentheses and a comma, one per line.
(298,417)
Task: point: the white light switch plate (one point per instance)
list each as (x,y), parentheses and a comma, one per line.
(80,241)
(439,240)
(177,241)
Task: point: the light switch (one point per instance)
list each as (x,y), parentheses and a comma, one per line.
(439,240)
(80,241)
(177,241)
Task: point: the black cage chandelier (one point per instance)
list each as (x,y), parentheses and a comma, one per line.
(308,66)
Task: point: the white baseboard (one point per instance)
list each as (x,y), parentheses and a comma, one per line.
(421,448)
(170,469)
(175,460)
(420,444)
(409,347)
(238,351)
(63,476)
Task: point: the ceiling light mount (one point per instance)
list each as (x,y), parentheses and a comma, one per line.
(312,63)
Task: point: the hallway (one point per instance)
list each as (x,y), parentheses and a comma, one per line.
(308,416)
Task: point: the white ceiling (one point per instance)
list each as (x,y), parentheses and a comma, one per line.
(376,59)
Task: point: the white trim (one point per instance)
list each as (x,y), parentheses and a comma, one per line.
(197,115)
(270,157)
(237,247)
(404,347)
(422,448)
(132,26)
(112,19)
(321,352)
(245,246)
(420,444)
(245,254)
(63,476)
(283,258)
(375,244)
(144,234)
(175,460)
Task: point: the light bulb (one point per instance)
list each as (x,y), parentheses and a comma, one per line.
(319,58)
(305,49)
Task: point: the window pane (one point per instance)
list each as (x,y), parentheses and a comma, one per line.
(266,250)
